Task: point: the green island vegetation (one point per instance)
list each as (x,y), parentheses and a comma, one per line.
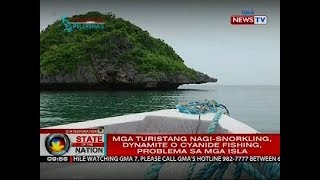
(120,40)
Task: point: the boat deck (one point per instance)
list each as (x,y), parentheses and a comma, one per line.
(163,121)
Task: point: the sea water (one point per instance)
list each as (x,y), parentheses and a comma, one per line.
(256,106)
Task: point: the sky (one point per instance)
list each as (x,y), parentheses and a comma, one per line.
(199,31)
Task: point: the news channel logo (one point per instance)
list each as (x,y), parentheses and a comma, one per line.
(57,144)
(248,17)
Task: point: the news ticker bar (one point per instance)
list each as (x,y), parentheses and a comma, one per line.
(71,159)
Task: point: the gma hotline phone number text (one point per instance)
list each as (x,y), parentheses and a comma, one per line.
(160,159)
(208,158)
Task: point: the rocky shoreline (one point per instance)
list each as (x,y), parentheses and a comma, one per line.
(87,78)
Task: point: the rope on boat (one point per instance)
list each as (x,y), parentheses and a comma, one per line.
(271,170)
(218,169)
(153,171)
(212,127)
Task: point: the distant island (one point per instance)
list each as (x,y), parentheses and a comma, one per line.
(119,56)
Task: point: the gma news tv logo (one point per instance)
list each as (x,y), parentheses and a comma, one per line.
(248,18)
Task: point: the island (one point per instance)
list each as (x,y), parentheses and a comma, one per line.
(119,56)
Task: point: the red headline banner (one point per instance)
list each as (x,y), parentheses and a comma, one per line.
(193,145)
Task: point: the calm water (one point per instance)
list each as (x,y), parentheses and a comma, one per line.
(257,106)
